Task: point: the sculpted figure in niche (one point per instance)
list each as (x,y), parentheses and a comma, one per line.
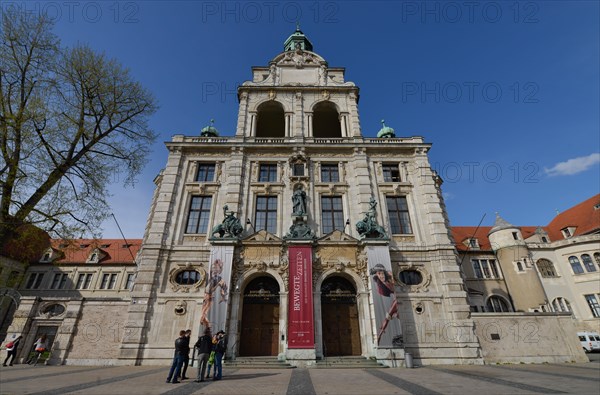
(299,202)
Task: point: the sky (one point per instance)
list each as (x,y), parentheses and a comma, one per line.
(507,92)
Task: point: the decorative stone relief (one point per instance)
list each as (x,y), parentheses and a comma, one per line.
(51,310)
(186,288)
(180,307)
(423,286)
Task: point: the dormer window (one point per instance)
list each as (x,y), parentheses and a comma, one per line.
(473,243)
(515,235)
(95,256)
(568,231)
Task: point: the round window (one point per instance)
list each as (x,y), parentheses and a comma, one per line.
(54,310)
(188,277)
(411,277)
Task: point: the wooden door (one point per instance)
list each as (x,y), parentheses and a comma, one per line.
(339,317)
(260,318)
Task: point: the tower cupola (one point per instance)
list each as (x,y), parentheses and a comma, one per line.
(297,40)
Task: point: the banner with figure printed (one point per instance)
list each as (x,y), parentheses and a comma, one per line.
(301,332)
(216,294)
(389,330)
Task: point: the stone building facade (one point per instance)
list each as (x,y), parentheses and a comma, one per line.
(298,130)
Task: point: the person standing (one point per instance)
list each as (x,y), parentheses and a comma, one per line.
(186,357)
(204,347)
(12,350)
(220,348)
(177,358)
(40,346)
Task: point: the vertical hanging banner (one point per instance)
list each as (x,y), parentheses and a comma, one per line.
(216,294)
(385,304)
(301,332)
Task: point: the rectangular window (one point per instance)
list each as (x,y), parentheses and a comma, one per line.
(206,172)
(398,214)
(299,169)
(266,213)
(59,281)
(197,221)
(593,303)
(391,172)
(35,280)
(332,213)
(330,173)
(485,268)
(104,283)
(130,280)
(84,280)
(267,173)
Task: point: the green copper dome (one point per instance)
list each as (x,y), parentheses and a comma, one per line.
(297,39)
(209,131)
(386,131)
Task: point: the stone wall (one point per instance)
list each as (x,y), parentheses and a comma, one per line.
(98,334)
(528,338)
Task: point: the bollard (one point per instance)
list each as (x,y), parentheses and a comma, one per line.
(408,360)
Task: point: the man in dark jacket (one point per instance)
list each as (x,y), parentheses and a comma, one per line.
(220,349)
(180,352)
(186,357)
(204,347)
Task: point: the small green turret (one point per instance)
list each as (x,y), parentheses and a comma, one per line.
(386,131)
(209,131)
(297,40)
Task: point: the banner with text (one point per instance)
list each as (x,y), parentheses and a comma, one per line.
(301,332)
(216,294)
(389,330)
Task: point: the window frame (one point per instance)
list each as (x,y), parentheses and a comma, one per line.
(267,172)
(588,263)
(548,270)
(35,280)
(490,267)
(328,170)
(575,263)
(332,212)
(592,301)
(84,281)
(59,280)
(271,203)
(401,215)
(564,306)
(501,302)
(388,170)
(193,224)
(205,169)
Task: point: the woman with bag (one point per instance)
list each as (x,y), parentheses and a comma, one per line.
(11,347)
(40,346)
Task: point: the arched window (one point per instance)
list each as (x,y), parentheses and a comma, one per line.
(546,268)
(575,265)
(270,120)
(497,304)
(597,258)
(561,304)
(520,266)
(326,120)
(587,262)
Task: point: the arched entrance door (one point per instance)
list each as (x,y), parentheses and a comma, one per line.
(339,315)
(260,318)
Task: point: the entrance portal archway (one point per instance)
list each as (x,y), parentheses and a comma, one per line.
(260,318)
(339,317)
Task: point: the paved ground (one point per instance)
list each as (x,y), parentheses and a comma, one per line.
(488,380)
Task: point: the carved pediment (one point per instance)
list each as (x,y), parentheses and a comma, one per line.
(262,235)
(337,235)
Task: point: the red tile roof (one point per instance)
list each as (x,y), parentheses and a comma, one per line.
(584,217)
(79,250)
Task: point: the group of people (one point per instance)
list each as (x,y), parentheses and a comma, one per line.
(210,351)
(12,347)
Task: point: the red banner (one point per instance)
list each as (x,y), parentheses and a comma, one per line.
(301,332)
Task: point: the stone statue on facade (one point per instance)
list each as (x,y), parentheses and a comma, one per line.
(368,226)
(299,202)
(230,227)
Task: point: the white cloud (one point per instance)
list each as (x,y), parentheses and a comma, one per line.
(573,166)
